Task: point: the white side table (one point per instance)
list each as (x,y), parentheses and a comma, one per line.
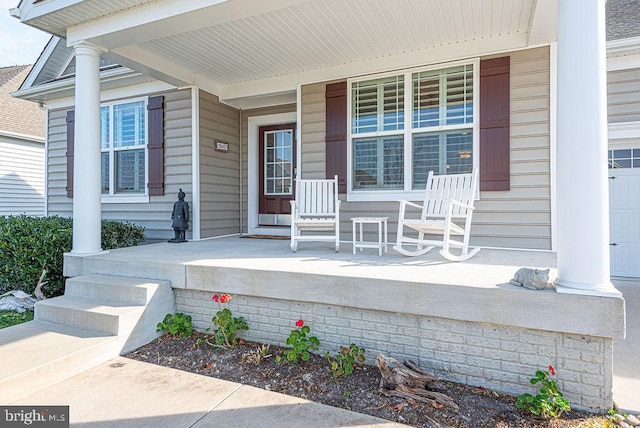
(382,233)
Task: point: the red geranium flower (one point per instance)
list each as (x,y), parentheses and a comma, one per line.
(299,323)
(225,298)
(552,371)
(214,298)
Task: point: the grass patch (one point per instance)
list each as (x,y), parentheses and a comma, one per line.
(9,318)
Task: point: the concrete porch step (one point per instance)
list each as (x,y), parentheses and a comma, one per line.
(98,318)
(39,354)
(136,291)
(87,313)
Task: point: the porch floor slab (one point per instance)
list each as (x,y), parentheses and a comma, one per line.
(475,290)
(487,269)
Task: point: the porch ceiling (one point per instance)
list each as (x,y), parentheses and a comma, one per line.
(240,48)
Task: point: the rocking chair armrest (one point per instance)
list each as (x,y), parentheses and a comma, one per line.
(456,202)
(405,202)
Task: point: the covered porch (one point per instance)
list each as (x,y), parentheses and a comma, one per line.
(462,320)
(220,47)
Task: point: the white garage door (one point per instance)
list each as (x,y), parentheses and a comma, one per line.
(624,206)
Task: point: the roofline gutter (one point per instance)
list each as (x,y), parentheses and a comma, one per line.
(33,93)
(33,138)
(622,45)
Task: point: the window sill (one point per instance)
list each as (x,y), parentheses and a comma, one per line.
(384,195)
(125,199)
(390,195)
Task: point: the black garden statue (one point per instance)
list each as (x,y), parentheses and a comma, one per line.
(180,217)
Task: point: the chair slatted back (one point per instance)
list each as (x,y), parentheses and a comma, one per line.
(460,187)
(317,198)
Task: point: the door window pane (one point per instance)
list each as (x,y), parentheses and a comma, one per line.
(443,97)
(278,166)
(379,163)
(129,171)
(104,168)
(129,126)
(624,158)
(441,113)
(377,105)
(105,127)
(448,152)
(123,126)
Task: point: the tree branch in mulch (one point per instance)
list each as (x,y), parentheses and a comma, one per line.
(408,381)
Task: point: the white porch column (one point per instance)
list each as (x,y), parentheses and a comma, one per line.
(582,186)
(86,167)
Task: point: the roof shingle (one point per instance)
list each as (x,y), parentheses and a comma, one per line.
(16,115)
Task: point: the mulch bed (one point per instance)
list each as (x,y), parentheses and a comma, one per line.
(313,380)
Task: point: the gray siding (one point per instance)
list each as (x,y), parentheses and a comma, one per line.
(219,171)
(245,114)
(623,95)
(154,216)
(519,218)
(21,177)
(58,203)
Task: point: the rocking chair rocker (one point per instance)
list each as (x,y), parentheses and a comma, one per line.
(447,198)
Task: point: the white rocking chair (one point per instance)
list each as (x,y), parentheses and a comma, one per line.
(316,208)
(447,197)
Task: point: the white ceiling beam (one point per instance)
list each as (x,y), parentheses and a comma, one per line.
(167,18)
(544,22)
(160,67)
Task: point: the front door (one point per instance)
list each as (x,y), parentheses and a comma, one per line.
(277,173)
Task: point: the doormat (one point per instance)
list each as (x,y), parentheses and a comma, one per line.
(266,237)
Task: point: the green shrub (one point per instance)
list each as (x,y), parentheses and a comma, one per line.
(29,244)
(344,362)
(117,234)
(176,325)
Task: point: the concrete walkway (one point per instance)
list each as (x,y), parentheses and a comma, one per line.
(126,393)
(626,354)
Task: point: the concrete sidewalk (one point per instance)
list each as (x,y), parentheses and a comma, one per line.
(127,393)
(626,370)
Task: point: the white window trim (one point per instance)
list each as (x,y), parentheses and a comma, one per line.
(121,198)
(407,193)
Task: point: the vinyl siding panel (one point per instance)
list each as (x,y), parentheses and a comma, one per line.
(219,171)
(154,216)
(58,203)
(521,217)
(21,177)
(313,131)
(518,218)
(623,95)
(245,114)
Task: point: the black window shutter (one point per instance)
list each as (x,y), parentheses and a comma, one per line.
(71,115)
(336,133)
(494,124)
(155,147)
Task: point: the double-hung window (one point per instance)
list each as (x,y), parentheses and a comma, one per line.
(123,140)
(405,125)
